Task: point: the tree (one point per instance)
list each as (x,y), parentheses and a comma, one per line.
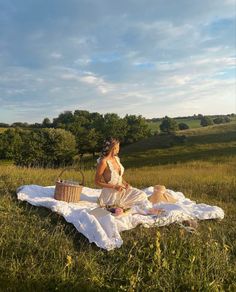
(137,128)
(36,126)
(46,147)
(227,119)
(20,125)
(10,142)
(114,126)
(46,123)
(200,116)
(218,120)
(83,128)
(206,121)
(4,125)
(183,126)
(30,153)
(59,146)
(168,125)
(63,120)
(87,142)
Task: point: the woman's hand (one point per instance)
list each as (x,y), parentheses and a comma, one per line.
(119,188)
(127,186)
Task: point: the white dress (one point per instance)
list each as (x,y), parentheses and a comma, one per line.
(125,198)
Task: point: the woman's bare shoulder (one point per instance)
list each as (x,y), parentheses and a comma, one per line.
(102,161)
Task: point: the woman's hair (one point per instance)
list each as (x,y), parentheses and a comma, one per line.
(108,144)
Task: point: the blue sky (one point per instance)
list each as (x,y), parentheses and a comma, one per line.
(148,57)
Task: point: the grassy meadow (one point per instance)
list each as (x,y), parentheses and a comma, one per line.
(154,126)
(192,123)
(39,251)
(2,130)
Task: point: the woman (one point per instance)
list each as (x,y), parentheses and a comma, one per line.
(118,195)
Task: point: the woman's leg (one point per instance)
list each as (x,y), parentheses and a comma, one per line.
(131,197)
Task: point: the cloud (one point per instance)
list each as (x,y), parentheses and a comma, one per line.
(150,57)
(56,55)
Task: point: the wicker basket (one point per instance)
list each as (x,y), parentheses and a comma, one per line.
(67,190)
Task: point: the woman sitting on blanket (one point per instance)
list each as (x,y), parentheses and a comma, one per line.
(118,195)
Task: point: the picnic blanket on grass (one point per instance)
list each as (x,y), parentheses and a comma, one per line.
(105,230)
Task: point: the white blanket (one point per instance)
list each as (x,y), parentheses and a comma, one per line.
(105,231)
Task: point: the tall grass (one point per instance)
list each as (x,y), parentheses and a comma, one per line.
(3,129)
(39,251)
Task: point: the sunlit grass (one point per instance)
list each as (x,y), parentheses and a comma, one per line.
(39,248)
(192,123)
(40,251)
(3,129)
(155,126)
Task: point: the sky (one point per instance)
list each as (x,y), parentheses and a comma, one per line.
(143,57)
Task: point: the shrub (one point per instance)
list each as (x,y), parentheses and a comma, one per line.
(10,142)
(168,125)
(183,126)
(206,121)
(46,147)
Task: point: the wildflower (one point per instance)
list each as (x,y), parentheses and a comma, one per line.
(192,259)
(157,255)
(69,261)
(181,232)
(226,247)
(165,264)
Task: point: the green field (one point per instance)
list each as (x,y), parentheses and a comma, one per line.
(42,252)
(192,123)
(155,126)
(208,143)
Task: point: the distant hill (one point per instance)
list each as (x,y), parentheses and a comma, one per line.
(208,143)
(154,124)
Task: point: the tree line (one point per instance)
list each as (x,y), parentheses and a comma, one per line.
(169,125)
(56,143)
(76,133)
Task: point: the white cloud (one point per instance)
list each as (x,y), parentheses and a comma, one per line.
(82,61)
(154,57)
(56,55)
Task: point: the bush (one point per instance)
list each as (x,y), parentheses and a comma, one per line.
(183,126)
(219,120)
(168,125)
(206,121)
(10,142)
(227,119)
(46,147)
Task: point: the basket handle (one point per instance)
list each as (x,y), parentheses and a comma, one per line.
(67,168)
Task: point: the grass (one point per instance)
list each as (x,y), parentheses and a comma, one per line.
(155,126)
(192,123)
(214,143)
(2,130)
(39,251)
